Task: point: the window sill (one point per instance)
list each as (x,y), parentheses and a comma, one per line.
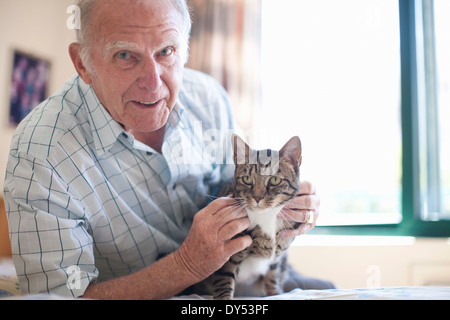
(354,241)
(357,219)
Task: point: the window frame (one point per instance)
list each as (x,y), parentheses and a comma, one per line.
(411,223)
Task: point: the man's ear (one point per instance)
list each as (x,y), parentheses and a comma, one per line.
(74,52)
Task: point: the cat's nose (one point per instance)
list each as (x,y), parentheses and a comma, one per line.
(257,199)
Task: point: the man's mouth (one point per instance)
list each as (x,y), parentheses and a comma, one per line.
(147,103)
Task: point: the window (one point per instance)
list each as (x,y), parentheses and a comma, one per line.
(366,85)
(331,75)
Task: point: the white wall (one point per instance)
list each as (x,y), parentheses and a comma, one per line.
(360,262)
(37,27)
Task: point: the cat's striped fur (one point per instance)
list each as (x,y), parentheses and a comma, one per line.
(264,182)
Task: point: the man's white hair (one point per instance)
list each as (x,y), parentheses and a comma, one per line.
(84,36)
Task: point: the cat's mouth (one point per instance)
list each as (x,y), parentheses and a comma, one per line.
(264,204)
(259,204)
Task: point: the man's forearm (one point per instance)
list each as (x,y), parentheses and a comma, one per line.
(162,280)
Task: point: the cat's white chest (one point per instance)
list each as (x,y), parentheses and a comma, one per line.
(266,219)
(252,267)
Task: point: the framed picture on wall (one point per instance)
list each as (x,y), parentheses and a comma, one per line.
(29,84)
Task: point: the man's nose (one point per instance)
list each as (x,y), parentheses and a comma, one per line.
(150,78)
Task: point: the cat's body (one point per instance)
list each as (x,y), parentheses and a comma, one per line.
(264,182)
(258,270)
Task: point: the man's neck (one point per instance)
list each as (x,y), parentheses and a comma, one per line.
(152,139)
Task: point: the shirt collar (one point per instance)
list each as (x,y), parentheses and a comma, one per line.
(177,112)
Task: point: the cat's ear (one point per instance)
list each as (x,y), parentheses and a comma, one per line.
(293,151)
(241,150)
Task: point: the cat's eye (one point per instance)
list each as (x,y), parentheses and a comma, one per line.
(247,179)
(274,181)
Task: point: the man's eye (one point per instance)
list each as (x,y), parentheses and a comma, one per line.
(125,59)
(124,55)
(166,52)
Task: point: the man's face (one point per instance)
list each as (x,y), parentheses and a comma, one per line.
(138,61)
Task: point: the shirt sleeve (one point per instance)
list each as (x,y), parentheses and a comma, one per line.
(50,240)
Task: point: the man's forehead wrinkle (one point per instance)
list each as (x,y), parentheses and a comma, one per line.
(116,19)
(162,28)
(115,30)
(142,19)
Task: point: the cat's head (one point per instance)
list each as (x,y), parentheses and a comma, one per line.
(266,178)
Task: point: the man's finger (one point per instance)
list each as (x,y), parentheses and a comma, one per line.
(233,228)
(302,216)
(304,202)
(306,187)
(236,245)
(229,213)
(302,229)
(221,203)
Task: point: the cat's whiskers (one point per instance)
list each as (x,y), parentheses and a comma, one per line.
(234,209)
(284,217)
(211,197)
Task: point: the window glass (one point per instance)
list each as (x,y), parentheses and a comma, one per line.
(442,29)
(331,75)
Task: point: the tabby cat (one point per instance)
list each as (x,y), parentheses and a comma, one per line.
(264,182)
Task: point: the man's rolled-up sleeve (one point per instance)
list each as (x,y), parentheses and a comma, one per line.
(50,239)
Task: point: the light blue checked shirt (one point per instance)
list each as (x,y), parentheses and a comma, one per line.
(86,201)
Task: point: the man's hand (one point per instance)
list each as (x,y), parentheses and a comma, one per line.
(304,208)
(210,242)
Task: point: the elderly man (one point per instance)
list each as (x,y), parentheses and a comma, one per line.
(107,185)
